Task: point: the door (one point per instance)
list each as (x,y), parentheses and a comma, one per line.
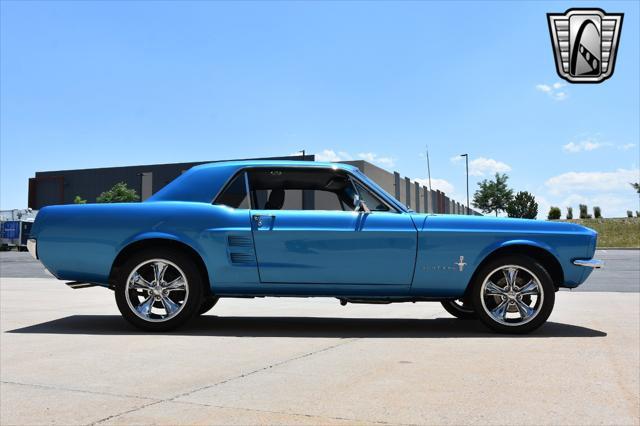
(301,244)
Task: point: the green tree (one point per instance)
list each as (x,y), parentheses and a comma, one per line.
(523,205)
(119,193)
(79,200)
(554,213)
(569,213)
(493,195)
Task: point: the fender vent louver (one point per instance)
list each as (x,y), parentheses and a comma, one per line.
(242,258)
(240,250)
(238,241)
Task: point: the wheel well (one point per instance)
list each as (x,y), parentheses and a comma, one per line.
(155,243)
(545,258)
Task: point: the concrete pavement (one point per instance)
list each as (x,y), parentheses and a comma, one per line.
(68,358)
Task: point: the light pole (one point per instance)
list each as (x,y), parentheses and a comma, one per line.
(466,157)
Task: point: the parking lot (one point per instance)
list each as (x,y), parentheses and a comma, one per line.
(68,358)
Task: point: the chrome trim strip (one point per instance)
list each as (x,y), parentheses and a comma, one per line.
(589,263)
(32,247)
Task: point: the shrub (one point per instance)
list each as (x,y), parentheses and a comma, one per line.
(629,213)
(79,200)
(597,213)
(584,213)
(554,213)
(119,193)
(569,212)
(523,205)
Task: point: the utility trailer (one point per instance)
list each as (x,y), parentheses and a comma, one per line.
(15,228)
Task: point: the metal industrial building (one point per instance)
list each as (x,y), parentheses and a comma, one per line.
(62,186)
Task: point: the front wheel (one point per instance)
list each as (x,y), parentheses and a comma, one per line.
(459,308)
(158,289)
(513,294)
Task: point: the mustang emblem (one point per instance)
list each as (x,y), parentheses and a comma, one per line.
(461,263)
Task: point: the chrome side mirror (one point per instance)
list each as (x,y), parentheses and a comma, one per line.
(360,205)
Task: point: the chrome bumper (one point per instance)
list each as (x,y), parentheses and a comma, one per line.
(589,263)
(32,247)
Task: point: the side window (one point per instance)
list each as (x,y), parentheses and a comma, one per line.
(373,202)
(235,194)
(301,189)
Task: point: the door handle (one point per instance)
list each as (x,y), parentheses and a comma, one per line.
(257,218)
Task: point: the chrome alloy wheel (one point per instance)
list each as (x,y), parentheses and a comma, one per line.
(157,290)
(512,295)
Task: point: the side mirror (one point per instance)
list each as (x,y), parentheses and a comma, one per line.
(360,205)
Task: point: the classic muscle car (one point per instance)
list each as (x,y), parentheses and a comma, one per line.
(239,229)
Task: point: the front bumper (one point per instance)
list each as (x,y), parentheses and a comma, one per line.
(589,263)
(32,246)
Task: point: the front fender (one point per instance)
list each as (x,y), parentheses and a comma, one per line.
(487,251)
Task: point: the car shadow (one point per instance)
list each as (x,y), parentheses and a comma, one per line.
(308,327)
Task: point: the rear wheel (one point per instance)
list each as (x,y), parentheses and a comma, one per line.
(158,289)
(514,294)
(460,308)
(207,303)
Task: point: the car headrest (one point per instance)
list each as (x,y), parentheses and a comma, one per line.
(276,200)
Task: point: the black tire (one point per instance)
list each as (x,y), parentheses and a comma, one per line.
(207,303)
(191,300)
(487,305)
(460,309)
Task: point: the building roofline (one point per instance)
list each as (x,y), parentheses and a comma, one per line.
(291,158)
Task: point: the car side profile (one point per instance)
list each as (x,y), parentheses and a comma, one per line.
(307,229)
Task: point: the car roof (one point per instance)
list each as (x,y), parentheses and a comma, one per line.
(275,163)
(202,183)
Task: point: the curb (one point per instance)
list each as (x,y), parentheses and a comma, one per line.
(617,248)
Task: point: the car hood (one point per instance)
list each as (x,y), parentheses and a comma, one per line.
(463,222)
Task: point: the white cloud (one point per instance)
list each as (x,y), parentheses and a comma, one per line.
(332,156)
(553,90)
(607,182)
(482,166)
(440,184)
(626,146)
(375,159)
(584,145)
(591,144)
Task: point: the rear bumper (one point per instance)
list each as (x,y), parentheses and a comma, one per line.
(589,263)
(32,246)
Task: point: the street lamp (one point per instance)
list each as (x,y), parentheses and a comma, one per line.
(466,157)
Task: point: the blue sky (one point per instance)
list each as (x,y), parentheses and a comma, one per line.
(93,84)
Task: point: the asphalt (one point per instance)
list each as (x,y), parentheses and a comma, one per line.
(68,358)
(621,272)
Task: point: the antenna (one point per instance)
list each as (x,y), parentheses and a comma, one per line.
(428,167)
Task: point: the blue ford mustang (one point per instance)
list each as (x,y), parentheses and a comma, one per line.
(301,229)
